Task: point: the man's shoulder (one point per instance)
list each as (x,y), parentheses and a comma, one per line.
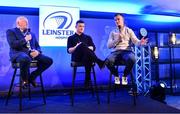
(32,33)
(114,30)
(129,29)
(72,36)
(11,30)
(87,36)
(84,36)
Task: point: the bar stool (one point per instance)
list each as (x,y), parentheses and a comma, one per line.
(75,65)
(132,86)
(15,66)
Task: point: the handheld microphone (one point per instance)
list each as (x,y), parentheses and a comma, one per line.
(27,31)
(120,39)
(28,42)
(119,27)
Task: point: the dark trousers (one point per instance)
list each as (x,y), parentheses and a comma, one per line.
(86,56)
(127,57)
(24,59)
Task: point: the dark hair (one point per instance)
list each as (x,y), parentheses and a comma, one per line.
(79,21)
(120,14)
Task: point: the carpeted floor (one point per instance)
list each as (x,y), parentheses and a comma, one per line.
(86,103)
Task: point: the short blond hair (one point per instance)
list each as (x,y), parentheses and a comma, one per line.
(21,18)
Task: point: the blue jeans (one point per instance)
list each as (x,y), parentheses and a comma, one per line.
(116,57)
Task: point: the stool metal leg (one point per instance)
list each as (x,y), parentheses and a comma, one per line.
(42,89)
(133,89)
(109,89)
(10,89)
(115,89)
(92,89)
(20,93)
(29,87)
(29,91)
(95,84)
(73,81)
(115,85)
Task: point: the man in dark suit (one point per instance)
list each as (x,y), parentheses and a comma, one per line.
(24,48)
(82,49)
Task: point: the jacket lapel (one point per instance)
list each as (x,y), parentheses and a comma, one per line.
(19,34)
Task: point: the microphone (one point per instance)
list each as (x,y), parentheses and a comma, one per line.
(120,39)
(27,32)
(119,27)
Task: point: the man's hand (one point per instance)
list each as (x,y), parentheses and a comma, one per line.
(28,37)
(78,44)
(34,53)
(144,41)
(91,48)
(119,39)
(72,49)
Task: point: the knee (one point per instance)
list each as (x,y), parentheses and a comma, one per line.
(110,61)
(132,60)
(25,60)
(49,61)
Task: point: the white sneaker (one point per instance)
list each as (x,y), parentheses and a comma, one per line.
(117,80)
(124,81)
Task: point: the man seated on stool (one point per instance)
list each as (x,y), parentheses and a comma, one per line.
(119,40)
(82,49)
(23,49)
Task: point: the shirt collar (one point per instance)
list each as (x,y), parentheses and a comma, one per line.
(79,35)
(124,28)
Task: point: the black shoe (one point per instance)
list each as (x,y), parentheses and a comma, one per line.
(33,83)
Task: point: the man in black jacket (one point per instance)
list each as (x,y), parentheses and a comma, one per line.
(82,49)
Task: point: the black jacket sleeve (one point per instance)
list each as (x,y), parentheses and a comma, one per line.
(13,41)
(38,48)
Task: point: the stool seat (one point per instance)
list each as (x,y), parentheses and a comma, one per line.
(33,64)
(120,63)
(78,64)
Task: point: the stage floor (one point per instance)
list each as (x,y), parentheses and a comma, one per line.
(86,103)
